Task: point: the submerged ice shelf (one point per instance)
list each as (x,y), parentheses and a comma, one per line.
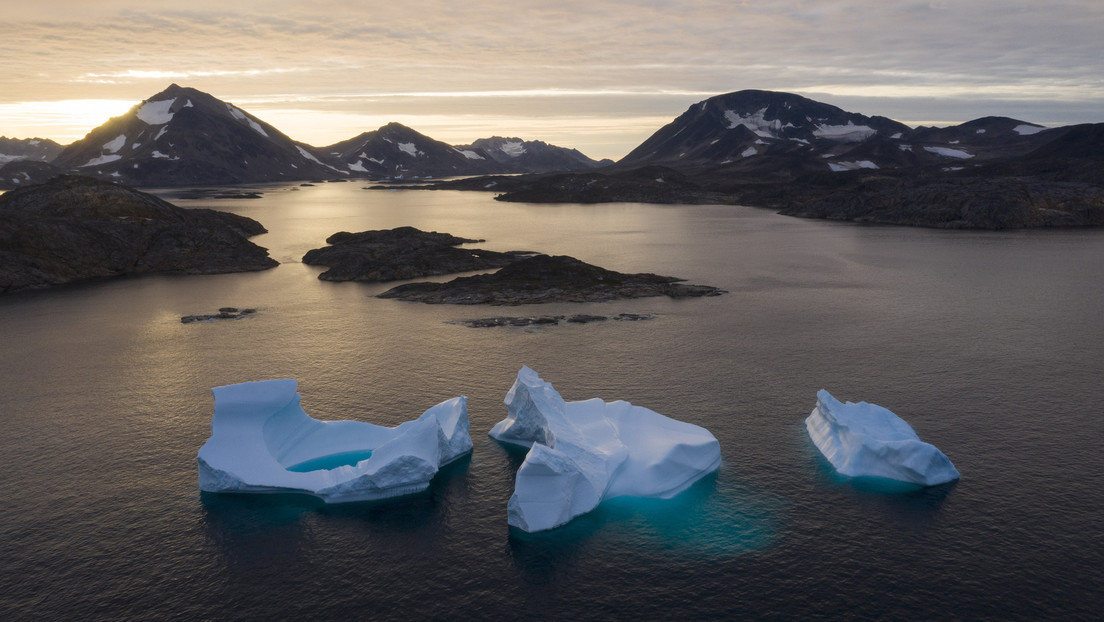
(866,440)
(263,441)
(583,452)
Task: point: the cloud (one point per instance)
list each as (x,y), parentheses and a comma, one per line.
(893,50)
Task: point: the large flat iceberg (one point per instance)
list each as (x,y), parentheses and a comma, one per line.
(262,441)
(583,452)
(866,440)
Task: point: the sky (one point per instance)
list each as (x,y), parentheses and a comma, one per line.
(597,76)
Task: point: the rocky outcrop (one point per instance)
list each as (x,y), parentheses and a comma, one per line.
(401,253)
(649,184)
(545,278)
(224,313)
(551,320)
(958,203)
(74,228)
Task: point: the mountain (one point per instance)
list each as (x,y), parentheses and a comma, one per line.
(18,173)
(734,127)
(810,159)
(41,149)
(515,155)
(182,136)
(399,152)
(783,134)
(25,160)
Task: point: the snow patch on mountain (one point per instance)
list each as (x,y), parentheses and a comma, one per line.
(1027,130)
(358,166)
(851,166)
(115,145)
(849,133)
(241,116)
(750,151)
(409,149)
(104,159)
(306,154)
(469,154)
(513,149)
(754,122)
(156,113)
(947,152)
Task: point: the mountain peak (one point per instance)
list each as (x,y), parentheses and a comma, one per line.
(184,136)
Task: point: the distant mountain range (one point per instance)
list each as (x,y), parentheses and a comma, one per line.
(182,136)
(761,148)
(810,159)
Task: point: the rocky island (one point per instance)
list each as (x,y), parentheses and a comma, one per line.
(544,278)
(74,228)
(401,253)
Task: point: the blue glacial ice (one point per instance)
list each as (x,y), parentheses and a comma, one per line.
(583,452)
(262,441)
(866,440)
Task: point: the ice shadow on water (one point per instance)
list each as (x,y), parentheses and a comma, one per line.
(250,528)
(911,506)
(712,519)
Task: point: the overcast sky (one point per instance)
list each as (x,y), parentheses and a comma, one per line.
(600,76)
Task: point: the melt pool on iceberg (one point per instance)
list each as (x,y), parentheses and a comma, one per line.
(262,441)
(583,452)
(866,440)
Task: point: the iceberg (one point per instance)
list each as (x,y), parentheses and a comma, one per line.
(262,441)
(866,440)
(583,452)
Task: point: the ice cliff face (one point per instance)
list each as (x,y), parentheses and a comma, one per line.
(866,440)
(263,441)
(584,452)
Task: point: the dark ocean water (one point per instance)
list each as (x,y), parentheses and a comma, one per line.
(990,344)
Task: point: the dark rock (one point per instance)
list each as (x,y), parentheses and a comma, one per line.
(586,319)
(238,195)
(545,278)
(968,203)
(401,253)
(538,320)
(489,322)
(225,313)
(74,228)
(633,317)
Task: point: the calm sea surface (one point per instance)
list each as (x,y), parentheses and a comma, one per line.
(990,344)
